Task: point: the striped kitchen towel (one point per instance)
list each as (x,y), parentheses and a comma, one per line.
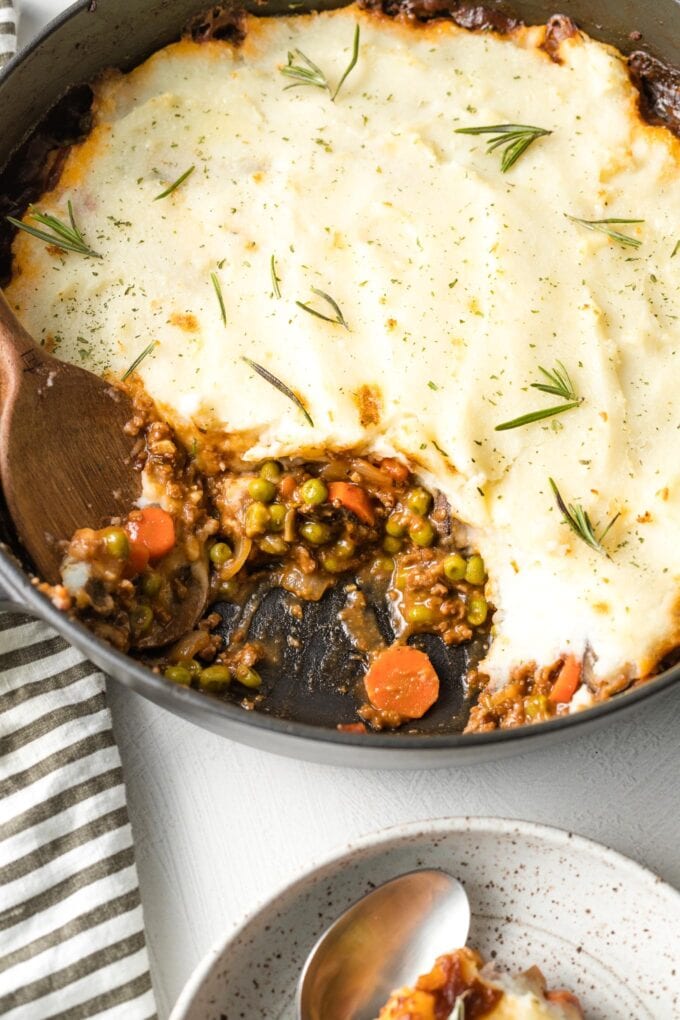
(8,30)
(71,929)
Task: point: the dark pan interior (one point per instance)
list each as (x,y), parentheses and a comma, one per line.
(312,682)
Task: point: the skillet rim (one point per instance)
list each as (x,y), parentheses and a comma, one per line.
(193,706)
(200,704)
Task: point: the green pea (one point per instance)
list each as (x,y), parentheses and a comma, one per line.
(151,584)
(220,553)
(248,677)
(271,471)
(419,501)
(345,548)
(261,490)
(141,618)
(422,533)
(116,543)
(391,545)
(475,572)
(257,519)
(477,610)
(332,563)
(395,526)
(420,613)
(193,666)
(316,532)
(383,564)
(215,677)
(178,675)
(314,492)
(536,706)
(277,515)
(454,567)
(273,545)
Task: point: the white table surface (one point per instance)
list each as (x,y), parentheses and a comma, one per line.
(219,827)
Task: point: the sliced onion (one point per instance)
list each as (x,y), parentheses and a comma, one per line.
(372,474)
(310,587)
(242,549)
(189,646)
(289,525)
(335,470)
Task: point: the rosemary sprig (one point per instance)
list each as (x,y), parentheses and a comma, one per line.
(604,227)
(514,139)
(139,359)
(276,279)
(220,297)
(352,63)
(532,416)
(175,184)
(338,317)
(560,384)
(306,71)
(580,523)
(65,236)
(280,386)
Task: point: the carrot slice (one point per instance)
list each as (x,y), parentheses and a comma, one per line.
(138,559)
(353,498)
(287,486)
(403,680)
(151,529)
(565,686)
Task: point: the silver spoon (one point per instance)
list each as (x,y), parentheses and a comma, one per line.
(385,940)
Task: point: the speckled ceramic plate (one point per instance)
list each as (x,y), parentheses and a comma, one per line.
(591,919)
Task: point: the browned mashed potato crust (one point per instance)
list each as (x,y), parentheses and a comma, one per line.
(401,553)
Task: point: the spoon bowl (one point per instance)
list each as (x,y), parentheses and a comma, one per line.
(385,940)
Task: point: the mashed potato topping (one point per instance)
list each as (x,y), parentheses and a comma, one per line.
(456,283)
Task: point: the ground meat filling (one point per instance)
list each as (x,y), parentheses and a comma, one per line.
(207,517)
(461,977)
(211,528)
(524,699)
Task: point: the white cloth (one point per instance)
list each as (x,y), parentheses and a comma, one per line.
(71,928)
(72,941)
(8,30)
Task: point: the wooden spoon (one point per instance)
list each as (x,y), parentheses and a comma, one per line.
(65,458)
